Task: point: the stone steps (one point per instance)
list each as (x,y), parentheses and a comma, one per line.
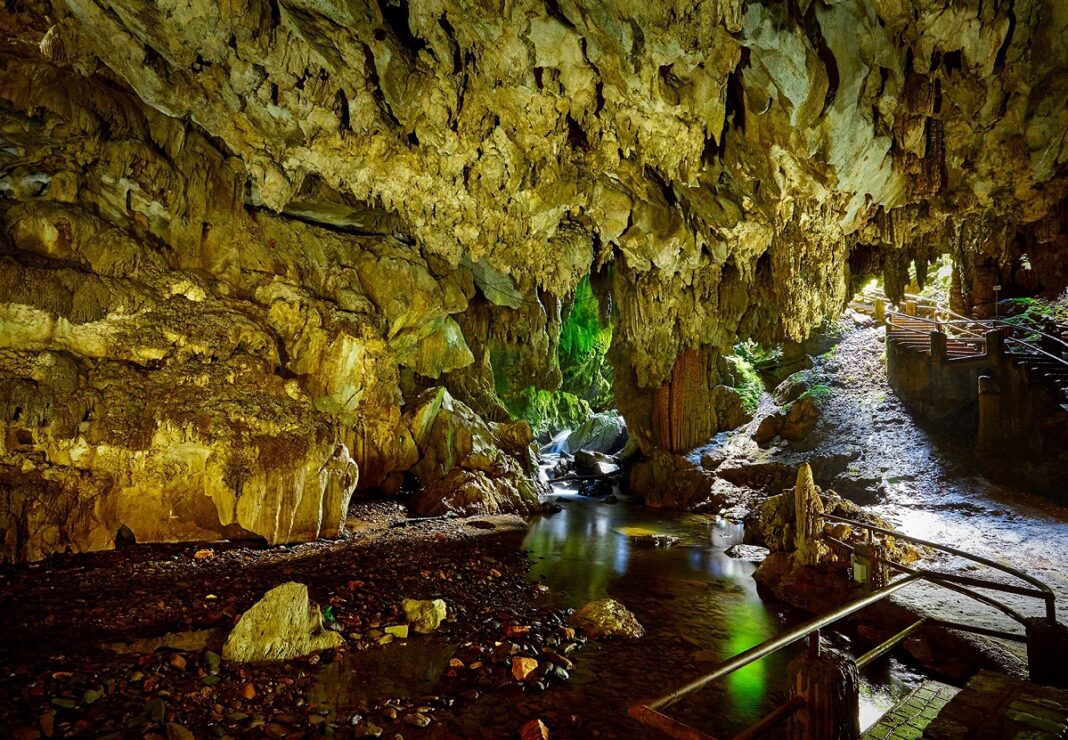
(911,716)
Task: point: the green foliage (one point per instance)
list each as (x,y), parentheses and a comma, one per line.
(548,412)
(1033,310)
(757,356)
(586,384)
(1034,313)
(745,379)
(818,393)
(937,280)
(584,343)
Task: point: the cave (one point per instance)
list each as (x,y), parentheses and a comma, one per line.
(538,369)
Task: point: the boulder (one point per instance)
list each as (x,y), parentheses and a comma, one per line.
(424,616)
(471,492)
(800,419)
(606,618)
(594,463)
(666,481)
(768,429)
(605,432)
(752,553)
(283,625)
(468,465)
(791,389)
(731,412)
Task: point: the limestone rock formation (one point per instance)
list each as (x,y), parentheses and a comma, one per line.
(237,241)
(605,432)
(467,465)
(284,624)
(606,618)
(424,616)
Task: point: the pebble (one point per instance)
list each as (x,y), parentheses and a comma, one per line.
(275,730)
(417,720)
(535,729)
(156,710)
(366,729)
(523,667)
(248,691)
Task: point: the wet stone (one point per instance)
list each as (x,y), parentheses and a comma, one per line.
(417,720)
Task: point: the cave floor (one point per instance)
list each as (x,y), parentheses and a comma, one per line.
(925,485)
(78,659)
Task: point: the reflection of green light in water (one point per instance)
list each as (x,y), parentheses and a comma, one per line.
(748,625)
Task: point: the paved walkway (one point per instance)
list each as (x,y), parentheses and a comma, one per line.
(909,719)
(993,706)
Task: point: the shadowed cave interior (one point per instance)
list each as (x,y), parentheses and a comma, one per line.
(533,369)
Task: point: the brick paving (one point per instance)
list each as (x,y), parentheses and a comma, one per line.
(909,719)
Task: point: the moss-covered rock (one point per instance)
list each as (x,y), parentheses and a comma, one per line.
(283,625)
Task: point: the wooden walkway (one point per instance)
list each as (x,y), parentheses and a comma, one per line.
(991,707)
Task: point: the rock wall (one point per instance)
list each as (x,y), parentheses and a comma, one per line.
(236,237)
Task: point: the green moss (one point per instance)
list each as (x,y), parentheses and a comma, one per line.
(745,379)
(1034,313)
(586,375)
(759,357)
(584,343)
(548,412)
(818,393)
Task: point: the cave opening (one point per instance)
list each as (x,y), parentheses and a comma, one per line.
(533,369)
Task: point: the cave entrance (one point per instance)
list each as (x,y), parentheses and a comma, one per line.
(582,390)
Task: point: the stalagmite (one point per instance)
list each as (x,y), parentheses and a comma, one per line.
(808,528)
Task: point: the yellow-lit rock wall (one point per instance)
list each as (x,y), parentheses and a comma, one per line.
(235,235)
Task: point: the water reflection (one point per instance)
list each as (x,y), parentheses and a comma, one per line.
(407,669)
(699,607)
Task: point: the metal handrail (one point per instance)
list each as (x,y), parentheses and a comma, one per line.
(1029,330)
(940,323)
(755,653)
(1044,591)
(649,712)
(992,324)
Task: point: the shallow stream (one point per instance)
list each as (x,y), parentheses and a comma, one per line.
(698,605)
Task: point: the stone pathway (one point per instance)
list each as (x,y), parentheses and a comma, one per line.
(993,706)
(910,718)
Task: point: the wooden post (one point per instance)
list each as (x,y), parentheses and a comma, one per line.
(990,431)
(1047,652)
(939,354)
(871,557)
(829,684)
(995,343)
(880,311)
(910,308)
